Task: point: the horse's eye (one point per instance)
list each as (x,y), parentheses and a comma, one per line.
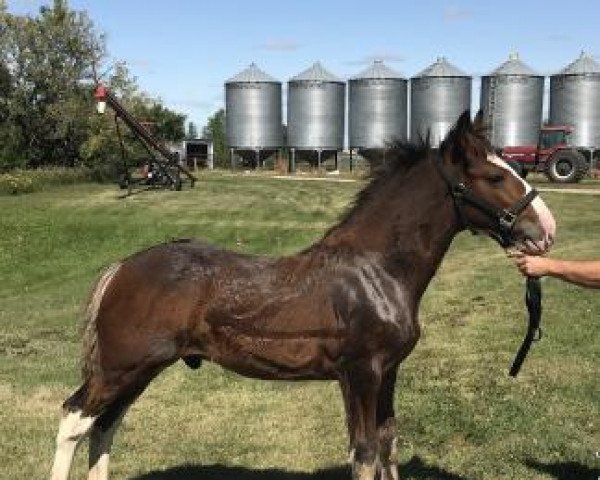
(496,179)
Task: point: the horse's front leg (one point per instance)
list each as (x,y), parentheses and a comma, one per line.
(386,427)
(361,388)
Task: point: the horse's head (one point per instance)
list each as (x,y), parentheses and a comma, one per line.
(489,195)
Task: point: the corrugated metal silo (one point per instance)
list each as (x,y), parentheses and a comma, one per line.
(438,96)
(377,99)
(512,99)
(315,114)
(253,111)
(575,100)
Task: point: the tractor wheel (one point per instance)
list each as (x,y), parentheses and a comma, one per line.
(566,166)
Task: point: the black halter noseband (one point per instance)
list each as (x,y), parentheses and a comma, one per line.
(505,219)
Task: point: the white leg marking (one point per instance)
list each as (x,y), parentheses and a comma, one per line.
(351,455)
(364,471)
(100,445)
(72,429)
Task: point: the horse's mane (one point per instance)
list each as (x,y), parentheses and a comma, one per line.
(400,156)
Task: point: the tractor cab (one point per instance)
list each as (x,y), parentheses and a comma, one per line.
(554,137)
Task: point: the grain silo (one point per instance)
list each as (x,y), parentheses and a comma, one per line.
(575,100)
(512,99)
(377,113)
(315,113)
(253,114)
(438,96)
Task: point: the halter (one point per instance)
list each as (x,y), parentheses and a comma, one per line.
(504,218)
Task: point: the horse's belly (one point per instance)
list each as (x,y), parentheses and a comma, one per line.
(273,358)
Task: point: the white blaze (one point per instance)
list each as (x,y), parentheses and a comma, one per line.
(544,216)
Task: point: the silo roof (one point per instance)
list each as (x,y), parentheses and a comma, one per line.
(378,70)
(441,68)
(252,74)
(584,64)
(514,66)
(316,73)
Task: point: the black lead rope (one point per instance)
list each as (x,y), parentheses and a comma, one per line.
(533,300)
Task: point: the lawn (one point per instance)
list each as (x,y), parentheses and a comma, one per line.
(461,417)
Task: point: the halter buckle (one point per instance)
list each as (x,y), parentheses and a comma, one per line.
(507,219)
(459,189)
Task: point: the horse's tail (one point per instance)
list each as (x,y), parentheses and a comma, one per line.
(89,354)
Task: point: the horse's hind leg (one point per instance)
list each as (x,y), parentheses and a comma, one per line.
(127,388)
(73,427)
(101,439)
(97,408)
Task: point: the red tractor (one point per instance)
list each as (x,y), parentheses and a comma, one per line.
(553,156)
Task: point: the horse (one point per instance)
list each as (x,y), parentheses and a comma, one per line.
(344,309)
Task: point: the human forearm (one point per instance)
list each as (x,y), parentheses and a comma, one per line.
(583,273)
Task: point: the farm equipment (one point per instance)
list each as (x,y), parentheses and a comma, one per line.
(162,169)
(552,156)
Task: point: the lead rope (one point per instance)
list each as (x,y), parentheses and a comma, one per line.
(533,301)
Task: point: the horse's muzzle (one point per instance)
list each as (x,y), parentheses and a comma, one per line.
(532,246)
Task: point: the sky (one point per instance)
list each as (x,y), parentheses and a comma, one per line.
(182,51)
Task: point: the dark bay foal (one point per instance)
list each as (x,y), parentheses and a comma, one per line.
(345,309)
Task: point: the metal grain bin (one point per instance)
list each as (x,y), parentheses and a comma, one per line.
(377,99)
(253,111)
(315,114)
(438,96)
(512,99)
(575,100)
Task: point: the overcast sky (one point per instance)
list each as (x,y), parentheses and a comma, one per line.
(183,50)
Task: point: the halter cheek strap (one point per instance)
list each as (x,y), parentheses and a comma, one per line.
(505,217)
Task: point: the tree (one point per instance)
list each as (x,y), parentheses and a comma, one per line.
(8,133)
(48,71)
(215,130)
(50,58)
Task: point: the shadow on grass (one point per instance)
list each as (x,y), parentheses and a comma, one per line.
(414,469)
(564,470)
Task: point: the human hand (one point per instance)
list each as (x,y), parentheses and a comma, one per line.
(530,266)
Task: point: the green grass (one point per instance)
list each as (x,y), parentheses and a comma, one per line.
(460,415)
(17,182)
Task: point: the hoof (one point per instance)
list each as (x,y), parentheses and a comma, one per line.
(389,472)
(363,471)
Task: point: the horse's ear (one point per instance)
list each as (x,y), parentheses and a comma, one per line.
(456,136)
(478,123)
(463,124)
